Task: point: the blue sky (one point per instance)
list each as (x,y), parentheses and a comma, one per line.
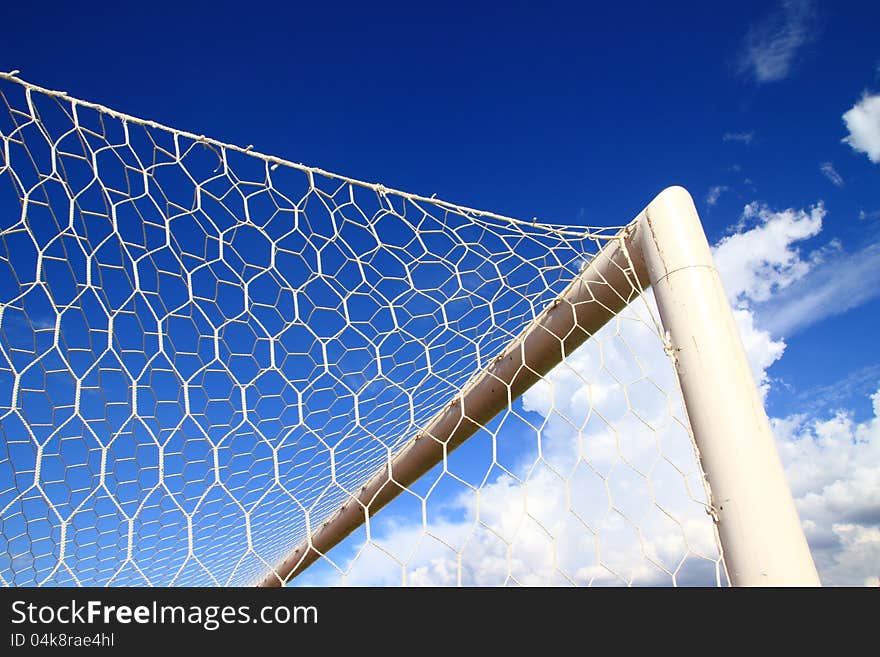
(571,113)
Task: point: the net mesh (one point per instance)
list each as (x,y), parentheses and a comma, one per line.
(205,352)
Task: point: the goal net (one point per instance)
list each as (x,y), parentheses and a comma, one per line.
(212,361)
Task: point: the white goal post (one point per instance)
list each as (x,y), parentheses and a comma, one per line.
(664,247)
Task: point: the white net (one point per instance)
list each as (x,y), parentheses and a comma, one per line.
(206,352)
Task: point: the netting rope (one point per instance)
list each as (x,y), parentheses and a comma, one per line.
(205,352)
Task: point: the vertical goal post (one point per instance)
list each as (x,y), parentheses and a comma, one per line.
(665,247)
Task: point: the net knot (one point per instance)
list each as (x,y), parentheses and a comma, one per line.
(669,348)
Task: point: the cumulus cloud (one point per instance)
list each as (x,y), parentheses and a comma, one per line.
(833,467)
(786,290)
(762,349)
(863,123)
(770,46)
(715,193)
(758,262)
(831,173)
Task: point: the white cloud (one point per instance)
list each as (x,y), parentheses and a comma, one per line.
(833,467)
(759,262)
(831,173)
(836,284)
(863,123)
(744,137)
(784,289)
(762,350)
(770,46)
(715,193)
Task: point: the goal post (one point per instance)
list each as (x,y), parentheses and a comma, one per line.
(759,529)
(665,247)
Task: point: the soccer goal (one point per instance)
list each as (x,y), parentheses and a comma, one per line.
(217,367)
